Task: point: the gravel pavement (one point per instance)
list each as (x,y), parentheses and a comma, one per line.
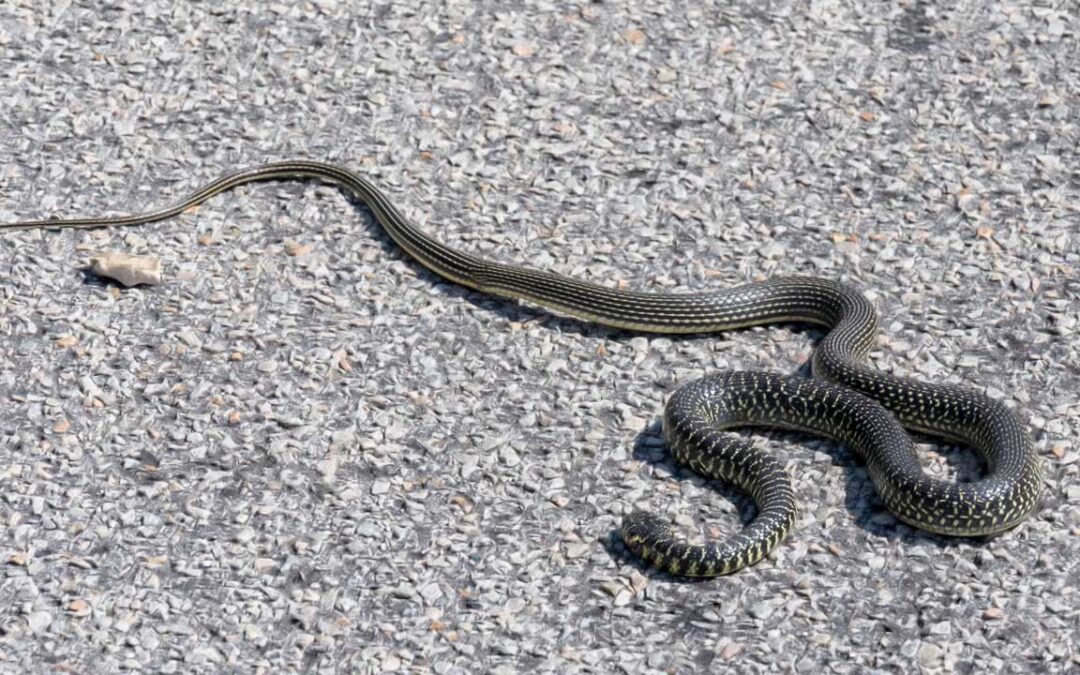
(303,452)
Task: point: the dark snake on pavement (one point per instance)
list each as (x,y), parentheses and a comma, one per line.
(846,400)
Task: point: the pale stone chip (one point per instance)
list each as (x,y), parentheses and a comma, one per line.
(129,270)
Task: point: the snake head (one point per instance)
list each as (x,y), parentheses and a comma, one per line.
(641,531)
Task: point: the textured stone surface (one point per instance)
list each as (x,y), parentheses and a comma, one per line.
(304,452)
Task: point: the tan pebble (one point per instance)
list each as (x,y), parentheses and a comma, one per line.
(342,359)
(462,502)
(570,653)
(612,588)
(575,551)
(129,270)
(79,607)
(298,250)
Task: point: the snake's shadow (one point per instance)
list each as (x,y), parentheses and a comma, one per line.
(860,498)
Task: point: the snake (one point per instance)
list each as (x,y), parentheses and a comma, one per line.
(845,399)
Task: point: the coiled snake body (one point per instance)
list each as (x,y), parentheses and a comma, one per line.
(845,403)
